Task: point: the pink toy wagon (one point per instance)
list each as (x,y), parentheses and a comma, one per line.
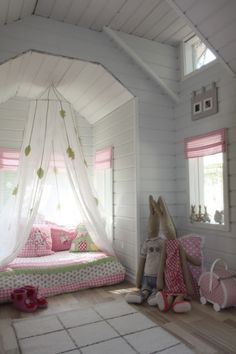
(218,287)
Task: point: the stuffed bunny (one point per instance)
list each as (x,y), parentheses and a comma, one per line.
(174,280)
(146,278)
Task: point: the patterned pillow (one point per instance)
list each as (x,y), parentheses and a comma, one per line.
(193,245)
(39,242)
(62,238)
(83,241)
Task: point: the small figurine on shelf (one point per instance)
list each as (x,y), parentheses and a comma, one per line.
(206,215)
(219,216)
(193,213)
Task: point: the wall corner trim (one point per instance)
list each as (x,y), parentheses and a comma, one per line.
(130,52)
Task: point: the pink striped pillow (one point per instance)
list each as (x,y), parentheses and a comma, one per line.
(62,238)
(39,242)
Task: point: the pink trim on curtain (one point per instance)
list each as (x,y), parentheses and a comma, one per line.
(205,144)
(103,159)
(9,158)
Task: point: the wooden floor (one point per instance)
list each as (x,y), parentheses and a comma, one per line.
(203,330)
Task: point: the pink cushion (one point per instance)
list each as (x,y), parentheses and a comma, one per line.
(62,238)
(39,242)
(193,245)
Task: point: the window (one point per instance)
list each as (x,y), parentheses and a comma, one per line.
(207,178)
(9,160)
(196,55)
(103,180)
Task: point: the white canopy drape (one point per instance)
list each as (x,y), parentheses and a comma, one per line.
(50,131)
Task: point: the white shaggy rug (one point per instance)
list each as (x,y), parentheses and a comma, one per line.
(108,328)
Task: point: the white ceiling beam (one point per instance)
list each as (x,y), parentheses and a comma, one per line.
(141,63)
(195,28)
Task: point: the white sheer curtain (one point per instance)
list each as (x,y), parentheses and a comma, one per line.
(51,123)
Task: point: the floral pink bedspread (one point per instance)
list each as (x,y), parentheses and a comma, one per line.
(61,272)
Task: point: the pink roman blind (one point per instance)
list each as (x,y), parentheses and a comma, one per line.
(9,158)
(205,144)
(103,159)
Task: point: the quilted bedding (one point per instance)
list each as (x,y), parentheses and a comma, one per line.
(61,272)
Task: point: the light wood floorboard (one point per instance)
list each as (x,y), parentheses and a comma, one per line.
(203,330)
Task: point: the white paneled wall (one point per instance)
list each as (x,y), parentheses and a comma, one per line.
(162,59)
(155,124)
(218,244)
(118,130)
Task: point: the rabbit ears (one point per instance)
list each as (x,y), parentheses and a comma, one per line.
(163,214)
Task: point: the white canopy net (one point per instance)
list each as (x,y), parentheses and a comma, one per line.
(50,143)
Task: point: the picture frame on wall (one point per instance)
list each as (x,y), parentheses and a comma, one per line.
(205,102)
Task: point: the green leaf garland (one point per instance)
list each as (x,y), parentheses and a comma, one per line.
(62,113)
(15,190)
(70,153)
(40,172)
(27,150)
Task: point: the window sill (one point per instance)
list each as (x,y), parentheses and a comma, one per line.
(217,227)
(200,70)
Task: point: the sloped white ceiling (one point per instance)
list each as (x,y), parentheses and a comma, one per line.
(93,91)
(150,19)
(215,22)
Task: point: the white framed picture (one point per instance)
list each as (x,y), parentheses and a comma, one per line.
(197,108)
(207,104)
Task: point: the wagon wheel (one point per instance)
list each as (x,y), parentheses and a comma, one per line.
(203,300)
(216,307)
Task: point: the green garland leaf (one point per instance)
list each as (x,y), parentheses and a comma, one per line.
(15,190)
(96,200)
(62,113)
(40,172)
(85,162)
(70,153)
(27,150)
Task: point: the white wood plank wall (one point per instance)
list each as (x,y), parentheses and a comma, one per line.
(117,130)
(218,244)
(155,123)
(161,58)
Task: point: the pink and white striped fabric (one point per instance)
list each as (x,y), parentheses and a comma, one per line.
(205,144)
(103,159)
(9,158)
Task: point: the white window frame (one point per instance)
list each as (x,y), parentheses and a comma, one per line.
(195,189)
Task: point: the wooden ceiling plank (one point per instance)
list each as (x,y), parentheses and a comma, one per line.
(224,36)
(27,8)
(99,86)
(31,68)
(13,77)
(126,11)
(110,106)
(75,68)
(204,9)
(185,4)
(44,7)
(143,11)
(152,19)
(182,34)
(14,10)
(76,10)
(92,82)
(82,82)
(161,25)
(168,32)
(106,16)
(102,99)
(92,12)
(220,20)
(60,9)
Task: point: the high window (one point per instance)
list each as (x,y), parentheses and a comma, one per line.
(196,55)
(206,156)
